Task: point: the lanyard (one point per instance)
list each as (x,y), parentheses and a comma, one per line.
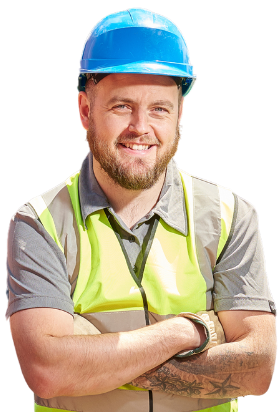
(150,236)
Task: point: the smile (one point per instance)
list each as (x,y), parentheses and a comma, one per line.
(136,146)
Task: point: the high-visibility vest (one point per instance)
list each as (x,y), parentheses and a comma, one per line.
(176,276)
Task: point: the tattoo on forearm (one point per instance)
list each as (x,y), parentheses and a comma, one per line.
(221,376)
(222,388)
(167,381)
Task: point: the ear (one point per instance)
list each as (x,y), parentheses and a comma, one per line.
(180,109)
(84,109)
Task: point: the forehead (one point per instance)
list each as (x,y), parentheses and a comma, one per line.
(137,84)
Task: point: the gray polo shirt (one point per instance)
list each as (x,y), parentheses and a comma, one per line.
(37,273)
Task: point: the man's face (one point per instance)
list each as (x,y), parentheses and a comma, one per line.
(133,127)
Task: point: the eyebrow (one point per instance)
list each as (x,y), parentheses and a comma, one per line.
(165,103)
(117,99)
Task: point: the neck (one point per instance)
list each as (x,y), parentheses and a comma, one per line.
(130,205)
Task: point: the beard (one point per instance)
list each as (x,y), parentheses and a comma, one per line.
(133,173)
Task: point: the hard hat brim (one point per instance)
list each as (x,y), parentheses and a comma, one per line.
(128,66)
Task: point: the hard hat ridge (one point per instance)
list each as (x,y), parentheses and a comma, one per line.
(137,41)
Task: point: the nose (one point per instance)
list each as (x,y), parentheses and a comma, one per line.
(139,122)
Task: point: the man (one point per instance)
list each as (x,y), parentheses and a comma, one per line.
(129,243)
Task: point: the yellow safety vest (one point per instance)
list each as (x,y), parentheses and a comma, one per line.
(176,277)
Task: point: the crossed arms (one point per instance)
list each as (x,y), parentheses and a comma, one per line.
(55,362)
(241,367)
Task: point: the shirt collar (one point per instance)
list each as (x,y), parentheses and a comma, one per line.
(170,207)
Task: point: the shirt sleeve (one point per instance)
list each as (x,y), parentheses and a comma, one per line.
(240,278)
(37,271)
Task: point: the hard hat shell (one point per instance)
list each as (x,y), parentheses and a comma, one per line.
(137,41)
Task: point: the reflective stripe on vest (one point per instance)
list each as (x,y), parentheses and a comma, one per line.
(177,275)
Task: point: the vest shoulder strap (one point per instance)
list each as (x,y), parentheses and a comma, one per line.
(212,209)
(55,211)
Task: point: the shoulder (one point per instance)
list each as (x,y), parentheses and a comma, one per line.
(235,209)
(203,186)
(32,209)
(56,196)
(206,185)
(27,217)
(39,203)
(210,196)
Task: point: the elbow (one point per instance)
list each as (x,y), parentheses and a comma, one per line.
(39,379)
(262,382)
(260,389)
(262,377)
(37,382)
(260,357)
(45,390)
(43,382)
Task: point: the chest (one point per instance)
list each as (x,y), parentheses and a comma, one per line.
(169,273)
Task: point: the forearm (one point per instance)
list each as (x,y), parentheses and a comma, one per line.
(230,370)
(88,365)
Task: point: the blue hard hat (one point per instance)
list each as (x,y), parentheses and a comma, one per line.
(137,41)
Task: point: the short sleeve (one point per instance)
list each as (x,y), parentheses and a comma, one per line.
(37,272)
(240,278)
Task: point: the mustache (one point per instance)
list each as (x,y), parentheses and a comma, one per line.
(146,139)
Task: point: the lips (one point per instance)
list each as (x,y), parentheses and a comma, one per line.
(134,146)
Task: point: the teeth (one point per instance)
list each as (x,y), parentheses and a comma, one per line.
(137,146)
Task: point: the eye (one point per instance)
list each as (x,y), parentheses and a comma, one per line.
(120,107)
(160,111)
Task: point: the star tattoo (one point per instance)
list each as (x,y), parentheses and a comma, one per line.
(222,388)
(170,382)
